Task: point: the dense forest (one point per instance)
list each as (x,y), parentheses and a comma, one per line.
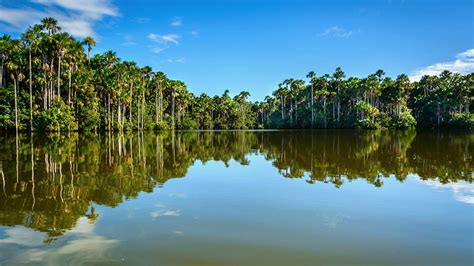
(50,82)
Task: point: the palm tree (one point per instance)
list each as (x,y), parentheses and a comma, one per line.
(89,42)
(31,39)
(14,66)
(281,93)
(74,56)
(51,25)
(296,86)
(5,49)
(62,40)
(159,80)
(312,76)
(337,77)
(146,74)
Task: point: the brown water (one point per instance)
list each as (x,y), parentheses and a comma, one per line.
(238,198)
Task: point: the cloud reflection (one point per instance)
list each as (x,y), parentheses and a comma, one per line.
(80,244)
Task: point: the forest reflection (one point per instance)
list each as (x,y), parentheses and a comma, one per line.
(50,181)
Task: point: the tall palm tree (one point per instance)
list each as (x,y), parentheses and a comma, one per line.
(312,77)
(62,40)
(159,79)
(31,39)
(51,25)
(337,77)
(296,86)
(89,42)
(74,56)
(14,65)
(5,49)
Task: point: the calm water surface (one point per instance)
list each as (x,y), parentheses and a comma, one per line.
(238,198)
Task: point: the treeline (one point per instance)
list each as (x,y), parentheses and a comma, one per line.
(49,82)
(332,101)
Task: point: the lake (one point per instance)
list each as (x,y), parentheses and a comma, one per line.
(334,197)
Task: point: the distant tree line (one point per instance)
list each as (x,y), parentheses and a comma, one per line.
(50,82)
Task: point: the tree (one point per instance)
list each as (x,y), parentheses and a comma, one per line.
(312,79)
(14,65)
(31,40)
(338,77)
(89,42)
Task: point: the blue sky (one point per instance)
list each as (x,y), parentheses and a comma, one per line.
(253,45)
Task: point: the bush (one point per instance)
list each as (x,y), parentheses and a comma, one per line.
(89,119)
(161,125)
(464,120)
(406,120)
(58,117)
(187,123)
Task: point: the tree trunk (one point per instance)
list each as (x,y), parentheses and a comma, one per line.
(143,110)
(131,103)
(69,85)
(312,107)
(31,89)
(108,111)
(51,93)
(119,113)
(1,73)
(15,85)
(59,78)
(172,109)
(156,104)
(333,114)
(281,99)
(325,114)
(296,109)
(161,104)
(112,120)
(138,113)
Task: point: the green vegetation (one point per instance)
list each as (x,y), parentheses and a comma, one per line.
(49,82)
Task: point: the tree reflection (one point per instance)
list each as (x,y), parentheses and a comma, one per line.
(50,181)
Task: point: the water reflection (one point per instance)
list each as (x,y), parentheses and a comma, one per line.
(51,183)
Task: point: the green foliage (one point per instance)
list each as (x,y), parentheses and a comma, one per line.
(370,115)
(187,123)
(88,119)
(406,120)
(161,125)
(57,119)
(462,120)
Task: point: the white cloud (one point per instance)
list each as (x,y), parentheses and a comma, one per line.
(81,244)
(462,191)
(75,17)
(164,38)
(23,236)
(157,49)
(336,31)
(464,63)
(18,19)
(195,33)
(94,8)
(128,41)
(176,22)
(161,213)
